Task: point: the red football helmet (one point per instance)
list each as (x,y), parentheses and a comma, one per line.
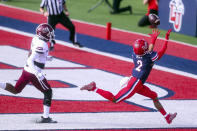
(45,32)
(140,47)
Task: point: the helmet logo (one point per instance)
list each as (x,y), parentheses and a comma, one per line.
(45,30)
(136,45)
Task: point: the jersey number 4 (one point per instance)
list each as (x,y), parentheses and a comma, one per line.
(138,68)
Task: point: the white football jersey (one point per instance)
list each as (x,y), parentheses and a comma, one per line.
(38,56)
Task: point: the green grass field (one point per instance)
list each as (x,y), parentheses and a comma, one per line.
(79,10)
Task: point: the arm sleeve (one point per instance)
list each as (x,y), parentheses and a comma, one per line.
(42,4)
(154,56)
(162,51)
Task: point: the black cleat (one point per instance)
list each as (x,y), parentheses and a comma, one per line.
(77,44)
(46,120)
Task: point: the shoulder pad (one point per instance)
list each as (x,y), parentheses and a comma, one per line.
(39,45)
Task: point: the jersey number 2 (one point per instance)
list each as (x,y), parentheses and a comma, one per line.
(139,62)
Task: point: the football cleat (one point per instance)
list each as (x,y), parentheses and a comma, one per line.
(170,117)
(46,120)
(89,87)
(77,44)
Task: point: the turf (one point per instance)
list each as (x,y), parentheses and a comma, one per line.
(79,10)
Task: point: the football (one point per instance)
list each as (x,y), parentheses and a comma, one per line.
(153,19)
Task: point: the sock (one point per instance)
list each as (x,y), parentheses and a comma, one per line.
(159,107)
(106,94)
(2,85)
(46,111)
(163,112)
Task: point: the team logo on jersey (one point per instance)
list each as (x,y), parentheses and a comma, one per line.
(176,14)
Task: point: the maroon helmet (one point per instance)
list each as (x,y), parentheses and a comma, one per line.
(45,32)
(140,47)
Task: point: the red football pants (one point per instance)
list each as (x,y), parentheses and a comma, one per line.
(134,86)
(27,77)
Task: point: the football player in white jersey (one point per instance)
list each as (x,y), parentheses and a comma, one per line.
(32,72)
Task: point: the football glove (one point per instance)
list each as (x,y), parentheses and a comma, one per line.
(52,43)
(154,35)
(168,34)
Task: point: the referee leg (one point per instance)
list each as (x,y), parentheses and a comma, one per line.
(52,20)
(66,22)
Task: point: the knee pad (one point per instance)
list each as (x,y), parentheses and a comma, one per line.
(47,97)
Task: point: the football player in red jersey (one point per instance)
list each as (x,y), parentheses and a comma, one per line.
(32,72)
(143,58)
(152,9)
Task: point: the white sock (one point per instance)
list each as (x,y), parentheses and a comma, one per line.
(46,111)
(3,85)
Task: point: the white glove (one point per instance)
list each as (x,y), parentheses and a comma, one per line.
(49,58)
